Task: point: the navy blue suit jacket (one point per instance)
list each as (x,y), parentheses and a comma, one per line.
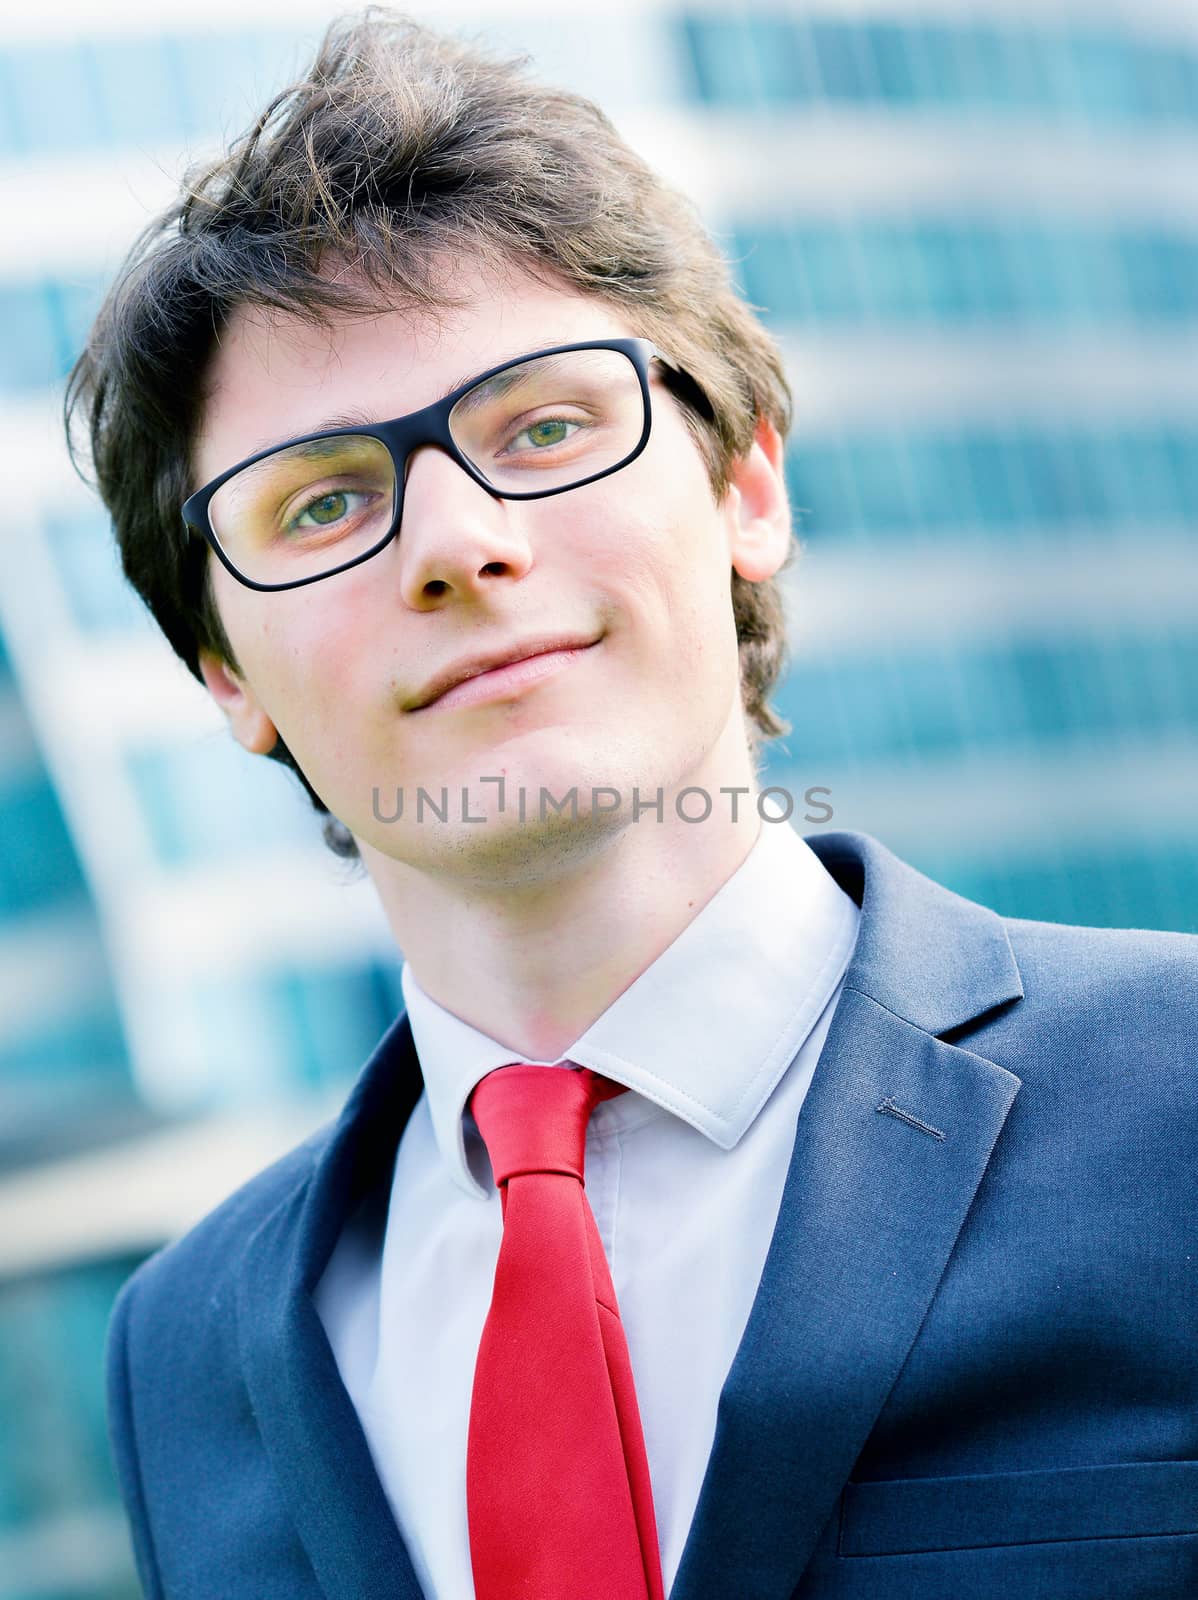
(971,1369)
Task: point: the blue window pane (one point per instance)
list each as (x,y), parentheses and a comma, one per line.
(1072,253)
(224,78)
(985,67)
(1181,449)
(1185,66)
(894,72)
(74,303)
(1164,892)
(1095,492)
(1179,268)
(941,487)
(1103,288)
(84,551)
(880,483)
(72,307)
(892,270)
(1159,274)
(1181,668)
(54,1456)
(1097,76)
(994,487)
(995,482)
(899,269)
(869,716)
(999,696)
(11,135)
(214,73)
(298,1027)
(940,53)
(1146,888)
(1035,268)
(721,65)
(780,62)
(830,273)
(931,723)
(30,351)
(45,325)
(1105,84)
(38,865)
(1026,74)
(210,801)
(1043,478)
(769,272)
(995,708)
(55,98)
(331,1021)
(1151,490)
(821,716)
(80,1051)
(948,286)
(140,89)
(1079,501)
(1157,77)
(844,68)
(821,489)
(994,287)
(1138,679)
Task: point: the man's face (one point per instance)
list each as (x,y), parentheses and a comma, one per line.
(631,574)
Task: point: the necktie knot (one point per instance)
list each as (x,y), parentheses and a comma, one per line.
(534,1119)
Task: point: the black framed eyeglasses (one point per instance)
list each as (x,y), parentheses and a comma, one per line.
(539,425)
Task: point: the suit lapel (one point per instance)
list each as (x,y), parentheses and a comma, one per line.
(872,1206)
(304,1414)
(891,1146)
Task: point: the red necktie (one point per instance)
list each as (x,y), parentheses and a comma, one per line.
(557,1481)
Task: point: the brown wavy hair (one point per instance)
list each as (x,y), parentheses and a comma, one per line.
(398,147)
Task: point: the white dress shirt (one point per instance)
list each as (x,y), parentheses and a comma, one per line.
(718,1040)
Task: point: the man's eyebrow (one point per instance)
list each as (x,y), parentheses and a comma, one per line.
(343,419)
(489,389)
(498,385)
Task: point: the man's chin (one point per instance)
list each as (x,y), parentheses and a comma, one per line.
(499,826)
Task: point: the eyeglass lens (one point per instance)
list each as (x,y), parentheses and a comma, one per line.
(536,427)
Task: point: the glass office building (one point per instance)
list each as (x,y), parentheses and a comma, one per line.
(975,233)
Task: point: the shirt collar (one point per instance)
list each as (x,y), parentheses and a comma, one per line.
(708,1029)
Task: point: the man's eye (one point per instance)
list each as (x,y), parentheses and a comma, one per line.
(329,508)
(539,435)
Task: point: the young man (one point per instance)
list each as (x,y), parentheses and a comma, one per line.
(443,451)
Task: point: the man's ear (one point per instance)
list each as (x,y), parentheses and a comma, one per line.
(252,728)
(756,502)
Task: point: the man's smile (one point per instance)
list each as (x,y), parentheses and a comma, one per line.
(499,673)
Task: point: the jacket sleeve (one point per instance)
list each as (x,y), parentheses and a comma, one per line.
(124,1443)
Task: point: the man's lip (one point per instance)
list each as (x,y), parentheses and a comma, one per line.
(474,666)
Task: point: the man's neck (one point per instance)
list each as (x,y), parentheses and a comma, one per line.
(534,966)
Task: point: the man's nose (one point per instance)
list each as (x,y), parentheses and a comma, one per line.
(455,538)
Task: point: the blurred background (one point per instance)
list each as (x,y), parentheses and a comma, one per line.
(974,228)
